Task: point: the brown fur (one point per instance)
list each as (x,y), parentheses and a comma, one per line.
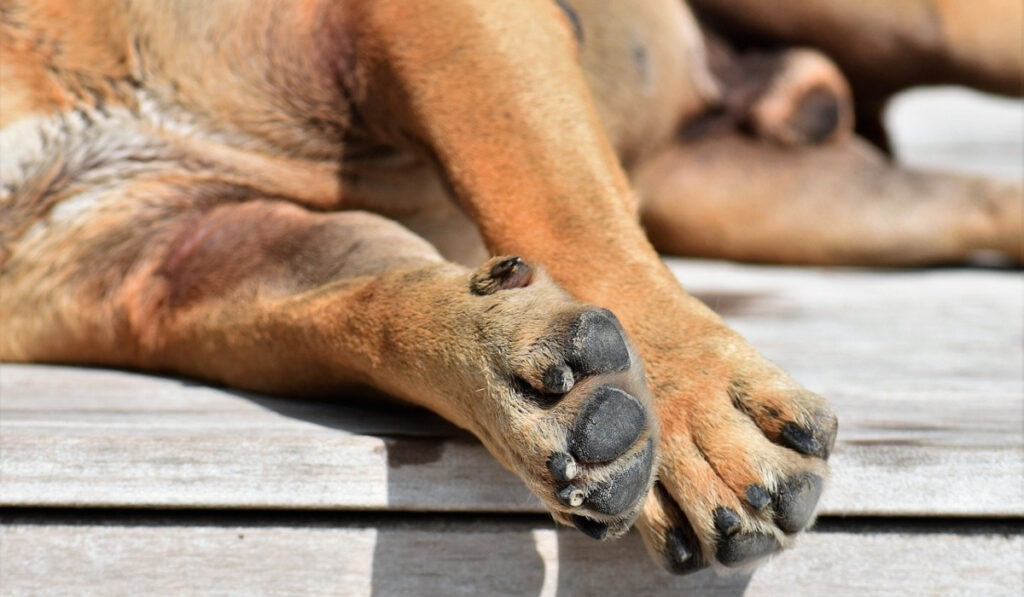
(276,195)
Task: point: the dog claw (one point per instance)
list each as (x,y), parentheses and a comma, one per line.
(727,521)
(558,379)
(800,439)
(682,552)
(570,496)
(590,528)
(501,274)
(563,467)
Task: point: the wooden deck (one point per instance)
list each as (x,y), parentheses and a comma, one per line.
(115,480)
(115,483)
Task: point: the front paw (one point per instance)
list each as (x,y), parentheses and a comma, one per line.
(743,464)
(566,405)
(592,415)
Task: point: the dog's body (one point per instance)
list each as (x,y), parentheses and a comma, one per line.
(276,196)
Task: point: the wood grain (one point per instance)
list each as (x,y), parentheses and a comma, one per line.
(924,369)
(447,558)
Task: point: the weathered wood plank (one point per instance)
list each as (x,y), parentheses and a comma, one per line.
(960,130)
(924,369)
(476,558)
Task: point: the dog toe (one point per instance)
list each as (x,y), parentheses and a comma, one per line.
(598,343)
(742,547)
(625,487)
(795,500)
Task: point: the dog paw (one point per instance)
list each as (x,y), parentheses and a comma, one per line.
(807,102)
(743,463)
(566,404)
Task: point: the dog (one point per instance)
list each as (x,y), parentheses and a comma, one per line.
(297,197)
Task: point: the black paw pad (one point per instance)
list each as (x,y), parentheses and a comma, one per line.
(794,501)
(816,116)
(590,528)
(598,345)
(607,426)
(744,547)
(682,551)
(625,487)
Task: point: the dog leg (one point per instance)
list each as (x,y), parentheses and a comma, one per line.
(795,96)
(493,92)
(886,46)
(734,197)
(268,296)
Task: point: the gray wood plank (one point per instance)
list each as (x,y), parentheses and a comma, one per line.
(924,369)
(960,130)
(477,558)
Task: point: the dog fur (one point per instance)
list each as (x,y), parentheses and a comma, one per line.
(288,197)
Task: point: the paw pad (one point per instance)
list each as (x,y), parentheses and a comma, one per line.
(795,500)
(608,425)
(625,487)
(740,548)
(598,344)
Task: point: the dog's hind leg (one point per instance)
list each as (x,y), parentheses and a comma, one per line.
(734,197)
(886,46)
(265,295)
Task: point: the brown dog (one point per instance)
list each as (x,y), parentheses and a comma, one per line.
(277,196)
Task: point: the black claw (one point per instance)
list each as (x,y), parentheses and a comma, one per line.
(727,521)
(558,379)
(598,345)
(745,547)
(801,440)
(758,497)
(570,496)
(590,528)
(794,501)
(607,426)
(682,551)
(562,467)
(503,274)
(506,267)
(511,273)
(829,426)
(625,487)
